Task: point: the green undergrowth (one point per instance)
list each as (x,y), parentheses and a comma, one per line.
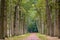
(20,37)
(41,36)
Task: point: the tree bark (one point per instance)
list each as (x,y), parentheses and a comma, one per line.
(16,20)
(59,18)
(48,18)
(2,32)
(56,20)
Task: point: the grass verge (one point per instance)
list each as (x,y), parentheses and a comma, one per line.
(41,36)
(20,37)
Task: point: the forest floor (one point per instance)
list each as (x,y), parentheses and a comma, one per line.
(44,37)
(32,36)
(52,38)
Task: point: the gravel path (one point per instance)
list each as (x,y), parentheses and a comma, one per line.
(32,37)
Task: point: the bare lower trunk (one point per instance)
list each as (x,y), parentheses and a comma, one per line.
(21,27)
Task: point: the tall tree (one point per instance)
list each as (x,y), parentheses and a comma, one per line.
(2,20)
(59,17)
(48,18)
(56,19)
(16,20)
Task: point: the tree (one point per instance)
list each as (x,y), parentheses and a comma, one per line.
(16,20)
(2,20)
(48,18)
(58,17)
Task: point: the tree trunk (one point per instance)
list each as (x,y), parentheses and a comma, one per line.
(16,21)
(59,18)
(52,21)
(5,23)
(42,22)
(56,20)
(24,25)
(5,19)
(2,32)
(48,18)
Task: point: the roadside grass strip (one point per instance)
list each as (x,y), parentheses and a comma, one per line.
(41,36)
(20,37)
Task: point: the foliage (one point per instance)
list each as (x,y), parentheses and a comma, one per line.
(32,27)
